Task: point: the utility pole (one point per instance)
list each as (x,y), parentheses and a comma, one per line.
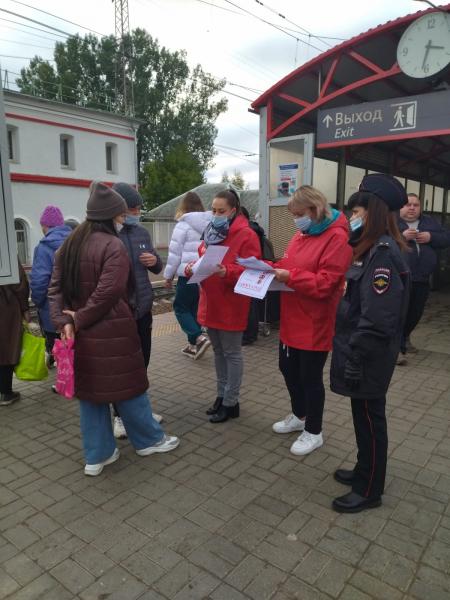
(124,69)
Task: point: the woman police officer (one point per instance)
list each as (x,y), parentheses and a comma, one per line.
(368,332)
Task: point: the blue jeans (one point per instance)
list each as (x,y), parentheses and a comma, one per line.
(185,307)
(96,427)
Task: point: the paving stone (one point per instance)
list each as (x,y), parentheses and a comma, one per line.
(231,514)
(72,576)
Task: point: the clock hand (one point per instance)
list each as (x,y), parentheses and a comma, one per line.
(427,50)
(437,47)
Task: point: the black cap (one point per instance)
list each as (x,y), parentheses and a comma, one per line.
(131,196)
(387,188)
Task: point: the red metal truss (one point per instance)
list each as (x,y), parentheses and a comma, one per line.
(348,49)
(326,97)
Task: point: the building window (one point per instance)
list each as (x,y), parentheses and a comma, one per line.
(22,240)
(13,143)
(66,150)
(111,157)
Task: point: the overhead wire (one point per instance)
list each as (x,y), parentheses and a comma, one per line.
(31,27)
(10,12)
(57,17)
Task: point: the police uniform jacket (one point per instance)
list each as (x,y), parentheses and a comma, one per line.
(370,319)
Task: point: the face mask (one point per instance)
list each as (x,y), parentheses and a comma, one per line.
(219,220)
(118,227)
(356,223)
(132,219)
(303,223)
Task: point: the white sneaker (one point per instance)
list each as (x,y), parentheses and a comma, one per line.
(290,423)
(306,443)
(94,470)
(201,347)
(158,418)
(168,443)
(119,429)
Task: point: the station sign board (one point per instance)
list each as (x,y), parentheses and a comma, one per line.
(394,119)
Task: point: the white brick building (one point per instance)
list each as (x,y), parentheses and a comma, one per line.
(55,151)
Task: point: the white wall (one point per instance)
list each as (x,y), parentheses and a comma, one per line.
(39,155)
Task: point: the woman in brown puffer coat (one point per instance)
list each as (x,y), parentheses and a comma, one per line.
(88,298)
(13,309)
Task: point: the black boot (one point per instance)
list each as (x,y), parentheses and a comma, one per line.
(215,407)
(224,413)
(345,476)
(353,502)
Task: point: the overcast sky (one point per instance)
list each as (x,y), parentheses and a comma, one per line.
(225,41)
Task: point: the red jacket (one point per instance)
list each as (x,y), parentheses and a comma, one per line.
(219,306)
(317,265)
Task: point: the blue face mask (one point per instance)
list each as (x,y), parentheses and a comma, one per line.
(303,223)
(356,223)
(219,221)
(132,219)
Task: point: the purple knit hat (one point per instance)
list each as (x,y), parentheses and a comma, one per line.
(52,217)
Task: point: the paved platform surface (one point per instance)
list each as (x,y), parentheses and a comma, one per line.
(231,514)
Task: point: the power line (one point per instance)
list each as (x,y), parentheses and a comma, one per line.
(10,12)
(31,27)
(25,44)
(237,156)
(273,25)
(60,18)
(267,7)
(23,57)
(246,152)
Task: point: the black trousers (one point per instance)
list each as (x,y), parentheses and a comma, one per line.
(251,333)
(6,377)
(50,338)
(417,300)
(369,421)
(303,374)
(144,327)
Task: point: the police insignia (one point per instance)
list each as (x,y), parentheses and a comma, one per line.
(381,280)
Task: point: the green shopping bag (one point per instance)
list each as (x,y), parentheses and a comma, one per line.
(32,365)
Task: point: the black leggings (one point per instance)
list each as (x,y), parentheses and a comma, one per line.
(303,374)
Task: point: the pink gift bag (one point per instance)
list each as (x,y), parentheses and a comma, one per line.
(65,377)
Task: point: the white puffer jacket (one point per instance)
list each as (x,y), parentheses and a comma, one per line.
(185,241)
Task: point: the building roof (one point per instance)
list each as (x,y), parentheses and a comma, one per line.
(73,108)
(207,192)
(361,69)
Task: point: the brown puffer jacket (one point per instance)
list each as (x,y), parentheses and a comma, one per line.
(13,305)
(109,365)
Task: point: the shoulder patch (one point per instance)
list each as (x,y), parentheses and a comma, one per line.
(381,280)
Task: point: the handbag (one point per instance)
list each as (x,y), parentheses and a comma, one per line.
(63,351)
(31,366)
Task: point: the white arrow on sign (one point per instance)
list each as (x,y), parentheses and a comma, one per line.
(327,120)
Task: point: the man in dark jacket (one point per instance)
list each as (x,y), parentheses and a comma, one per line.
(144,258)
(55,232)
(424,236)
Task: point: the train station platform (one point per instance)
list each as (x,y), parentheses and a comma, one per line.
(230,514)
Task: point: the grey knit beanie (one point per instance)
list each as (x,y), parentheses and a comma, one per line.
(104,203)
(131,196)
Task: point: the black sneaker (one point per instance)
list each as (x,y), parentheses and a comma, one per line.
(7,399)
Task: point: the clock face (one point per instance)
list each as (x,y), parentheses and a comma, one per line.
(424,48)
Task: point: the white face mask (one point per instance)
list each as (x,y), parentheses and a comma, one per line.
(118,226)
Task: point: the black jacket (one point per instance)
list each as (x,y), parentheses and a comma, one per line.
(423,263)
(137,240)
(370,319)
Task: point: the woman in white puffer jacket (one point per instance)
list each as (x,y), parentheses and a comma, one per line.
(183,249)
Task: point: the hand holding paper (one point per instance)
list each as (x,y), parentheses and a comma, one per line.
(208,264)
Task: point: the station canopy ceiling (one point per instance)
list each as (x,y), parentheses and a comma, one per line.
(362,69)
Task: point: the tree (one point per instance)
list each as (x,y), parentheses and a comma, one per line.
(166,178)
(237,179)
(176,104)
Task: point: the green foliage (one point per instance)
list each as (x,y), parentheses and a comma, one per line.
(166,178)
(237,179)
(176,104)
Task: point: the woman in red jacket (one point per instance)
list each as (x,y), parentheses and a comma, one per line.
(222,311)
(314,266)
